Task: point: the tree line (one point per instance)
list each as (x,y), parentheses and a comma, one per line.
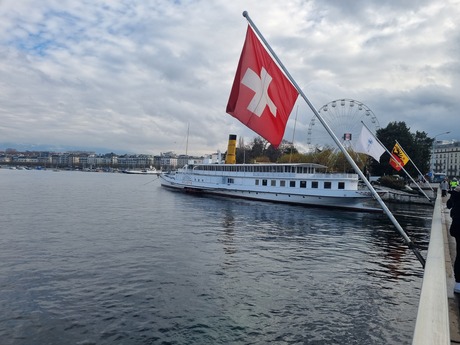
(417,146)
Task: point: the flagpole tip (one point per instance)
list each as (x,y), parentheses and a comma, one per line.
(245,14)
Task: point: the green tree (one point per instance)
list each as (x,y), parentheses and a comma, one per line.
(285,147)
(261,151)
(295,158)
(416,145)
(242,152)
(258,147)
(422,155)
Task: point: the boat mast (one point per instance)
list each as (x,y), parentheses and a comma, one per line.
(186,143)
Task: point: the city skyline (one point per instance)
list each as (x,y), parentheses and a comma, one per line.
(155,76)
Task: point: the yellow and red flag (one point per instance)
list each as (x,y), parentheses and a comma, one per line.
(398,157)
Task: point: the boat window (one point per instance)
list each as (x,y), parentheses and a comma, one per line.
(303,184)
(341,185)
(282,183)
(264,182)
(314,184)
(291,183)
(273,183)
(230,180)
(327,185)
(257,182)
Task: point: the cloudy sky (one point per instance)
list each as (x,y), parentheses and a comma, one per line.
(133,76)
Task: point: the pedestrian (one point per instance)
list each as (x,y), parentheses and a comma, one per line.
(444,187)
(454,205)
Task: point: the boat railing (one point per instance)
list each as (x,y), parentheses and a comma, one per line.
(319,176)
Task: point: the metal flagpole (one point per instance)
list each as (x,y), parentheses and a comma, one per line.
(293,134)
(350,160)
(399,164)
(415,166)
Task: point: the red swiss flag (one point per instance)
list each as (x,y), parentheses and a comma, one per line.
(262,97)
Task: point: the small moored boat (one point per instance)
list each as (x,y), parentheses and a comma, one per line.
(142,172)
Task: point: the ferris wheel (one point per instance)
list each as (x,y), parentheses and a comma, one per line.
(344,117)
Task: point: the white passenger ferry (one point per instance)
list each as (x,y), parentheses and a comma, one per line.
(298,183)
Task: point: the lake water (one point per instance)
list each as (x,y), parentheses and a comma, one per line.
(101,258)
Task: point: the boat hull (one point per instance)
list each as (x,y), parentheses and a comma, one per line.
(141,172)
(347,200)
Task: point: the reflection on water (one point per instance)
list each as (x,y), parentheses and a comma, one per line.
(105,258)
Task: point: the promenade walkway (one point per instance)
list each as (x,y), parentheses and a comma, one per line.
(450,253)
(438,317)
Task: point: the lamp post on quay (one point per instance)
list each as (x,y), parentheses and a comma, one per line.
(432,149)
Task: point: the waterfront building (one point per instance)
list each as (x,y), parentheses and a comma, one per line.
(135,161)
(167,161)
(44,158)
(21,160)
(5,159)
(182,160)
(96,161)
(90,160)
(446,158)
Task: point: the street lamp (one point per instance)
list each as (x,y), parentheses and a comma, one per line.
(432,149)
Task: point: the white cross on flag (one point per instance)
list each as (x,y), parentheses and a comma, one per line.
(262,97)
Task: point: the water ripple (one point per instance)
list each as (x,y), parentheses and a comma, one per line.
(102,259)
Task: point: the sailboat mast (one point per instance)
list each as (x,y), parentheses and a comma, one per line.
(186,143)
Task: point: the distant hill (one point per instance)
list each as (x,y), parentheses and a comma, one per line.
(57,148)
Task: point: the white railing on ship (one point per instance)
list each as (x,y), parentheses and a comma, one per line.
(319,176)
(432,325)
